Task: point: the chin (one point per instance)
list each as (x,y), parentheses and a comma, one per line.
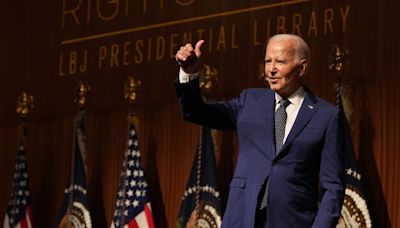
(275,88)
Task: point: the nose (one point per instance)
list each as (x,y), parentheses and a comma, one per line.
(270,68)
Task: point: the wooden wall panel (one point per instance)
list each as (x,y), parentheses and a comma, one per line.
(383,157)
(34,39)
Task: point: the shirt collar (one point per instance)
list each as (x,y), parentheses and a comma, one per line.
(296,98)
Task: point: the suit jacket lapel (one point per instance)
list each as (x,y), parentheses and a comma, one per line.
(306,111)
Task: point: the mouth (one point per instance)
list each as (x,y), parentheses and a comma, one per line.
(273,79)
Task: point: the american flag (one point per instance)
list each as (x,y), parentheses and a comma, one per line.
(132,208)
(18,214)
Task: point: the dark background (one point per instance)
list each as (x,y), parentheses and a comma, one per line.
(33,38)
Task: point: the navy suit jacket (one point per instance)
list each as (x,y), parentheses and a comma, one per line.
(307,176)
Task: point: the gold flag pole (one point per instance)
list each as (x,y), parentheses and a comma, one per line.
(208,80)
(131,89)
(24,106)
(338,60)
(82,92)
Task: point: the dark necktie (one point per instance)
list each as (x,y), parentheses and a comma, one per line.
(280,124)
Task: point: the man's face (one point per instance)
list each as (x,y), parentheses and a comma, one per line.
(282,69)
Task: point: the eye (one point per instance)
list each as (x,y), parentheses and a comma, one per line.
(267,61)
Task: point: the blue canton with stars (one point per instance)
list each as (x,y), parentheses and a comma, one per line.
(132,193)
(20,197)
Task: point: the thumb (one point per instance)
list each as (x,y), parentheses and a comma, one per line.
(197,48)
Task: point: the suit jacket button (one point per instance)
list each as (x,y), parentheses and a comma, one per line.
(273,163)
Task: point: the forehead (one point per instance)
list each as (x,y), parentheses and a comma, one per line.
(281,47)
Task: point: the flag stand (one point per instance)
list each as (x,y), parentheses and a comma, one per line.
(74,209)
(354,212)
(201,201)
(198,176)
(132,207)
(18,213)
(131,88)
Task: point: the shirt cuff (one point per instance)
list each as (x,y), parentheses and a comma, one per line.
(185,77)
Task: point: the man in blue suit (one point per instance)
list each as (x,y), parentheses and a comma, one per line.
(294,179)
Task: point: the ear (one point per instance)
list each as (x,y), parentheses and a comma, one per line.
(303,67)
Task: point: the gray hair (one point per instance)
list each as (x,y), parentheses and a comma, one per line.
(302,49)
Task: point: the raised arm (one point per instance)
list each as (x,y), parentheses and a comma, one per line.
(188,57)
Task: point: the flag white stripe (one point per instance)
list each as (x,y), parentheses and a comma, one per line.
(141,220)
(148,204)
(28,218)
(6,222)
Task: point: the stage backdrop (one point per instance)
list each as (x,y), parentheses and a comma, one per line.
(48,46)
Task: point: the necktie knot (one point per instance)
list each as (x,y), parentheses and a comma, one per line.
(284,103)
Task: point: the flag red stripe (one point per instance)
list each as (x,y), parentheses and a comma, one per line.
(133,224)
(24,221)
(149,216)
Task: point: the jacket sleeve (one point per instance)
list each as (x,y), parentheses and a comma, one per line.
(331,177)
(220,115)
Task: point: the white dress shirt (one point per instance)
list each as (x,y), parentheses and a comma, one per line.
(292,110)
(185,77)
